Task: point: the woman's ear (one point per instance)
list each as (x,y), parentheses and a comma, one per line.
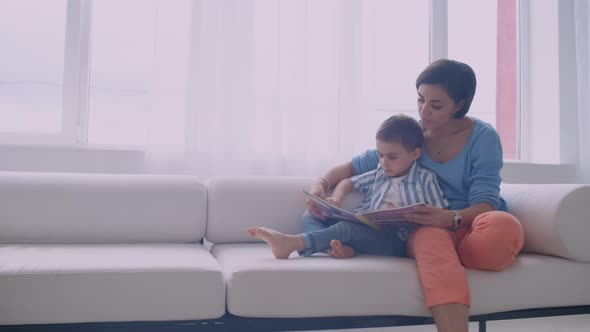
(460,105)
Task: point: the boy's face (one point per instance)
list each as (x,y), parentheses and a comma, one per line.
(395,159)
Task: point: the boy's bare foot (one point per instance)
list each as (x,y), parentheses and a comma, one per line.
(282,245)
(340,250)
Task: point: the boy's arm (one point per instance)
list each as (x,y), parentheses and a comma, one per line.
(323,185)
(336,174)
(359,164)
(363,163)
(342,188)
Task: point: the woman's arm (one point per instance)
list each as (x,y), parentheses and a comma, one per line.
(443,218)
(484,185)
(486,163)
(469,214)
(484,179)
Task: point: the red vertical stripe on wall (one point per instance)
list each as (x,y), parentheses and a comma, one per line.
(506,89)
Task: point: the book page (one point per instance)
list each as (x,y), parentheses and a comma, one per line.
(330,210)
(391,216)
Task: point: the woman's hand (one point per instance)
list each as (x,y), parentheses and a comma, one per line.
(432,216)
(317,190)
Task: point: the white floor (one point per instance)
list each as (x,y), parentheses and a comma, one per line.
(576,323)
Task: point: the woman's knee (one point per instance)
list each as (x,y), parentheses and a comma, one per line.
(429,239)
(495,239)
(427,234)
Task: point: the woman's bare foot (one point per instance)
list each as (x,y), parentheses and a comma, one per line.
(282,245)
(340,250)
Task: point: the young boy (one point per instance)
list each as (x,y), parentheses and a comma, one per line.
(398,181)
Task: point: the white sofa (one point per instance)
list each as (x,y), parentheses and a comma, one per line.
(105,248)
(82,248)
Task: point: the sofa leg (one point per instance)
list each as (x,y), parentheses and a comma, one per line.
(482,326)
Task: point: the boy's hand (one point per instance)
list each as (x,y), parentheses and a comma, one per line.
(334,200)
(317,190)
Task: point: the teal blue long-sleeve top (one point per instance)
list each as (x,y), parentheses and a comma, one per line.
(471,177)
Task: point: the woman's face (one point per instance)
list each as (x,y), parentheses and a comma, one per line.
(435,106)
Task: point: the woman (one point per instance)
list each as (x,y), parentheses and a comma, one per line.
(466,155)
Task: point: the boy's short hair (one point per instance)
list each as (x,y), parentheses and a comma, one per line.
(403,129)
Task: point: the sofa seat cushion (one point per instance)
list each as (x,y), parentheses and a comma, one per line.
(52,283)
(260,286)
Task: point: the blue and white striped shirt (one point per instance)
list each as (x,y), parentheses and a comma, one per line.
(418,186)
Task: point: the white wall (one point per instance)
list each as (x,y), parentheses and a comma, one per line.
(517,172)
(539,94)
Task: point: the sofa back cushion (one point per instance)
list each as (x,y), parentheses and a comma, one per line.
(555,217)
(100,208)
(238,202)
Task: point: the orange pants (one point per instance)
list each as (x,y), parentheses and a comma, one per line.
(491,243)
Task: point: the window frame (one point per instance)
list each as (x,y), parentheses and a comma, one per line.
(77,72)
(76,78)
(566,98)
(438,29)
(77,53)
(439,49)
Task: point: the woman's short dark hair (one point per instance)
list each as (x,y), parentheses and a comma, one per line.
(403,129)
(457,78)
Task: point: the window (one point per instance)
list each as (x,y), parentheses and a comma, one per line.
(396,57)
(139,61)
(121,70)
(540,82)
(393,59)
(473,39)
(32,68)
(85,71)
(486,39)
(89,72)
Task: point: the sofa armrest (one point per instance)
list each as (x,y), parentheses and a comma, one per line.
(555,217)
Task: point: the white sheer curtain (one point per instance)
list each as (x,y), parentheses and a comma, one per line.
(583,72)
(274,87)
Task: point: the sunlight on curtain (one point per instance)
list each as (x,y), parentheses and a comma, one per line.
(288,87)
(138,79)
(473,40)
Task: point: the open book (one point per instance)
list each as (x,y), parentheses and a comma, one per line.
(375,219)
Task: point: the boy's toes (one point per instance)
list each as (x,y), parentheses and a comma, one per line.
(336,251)
(252,231)
(333,253)
(340,251)
(335,244)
